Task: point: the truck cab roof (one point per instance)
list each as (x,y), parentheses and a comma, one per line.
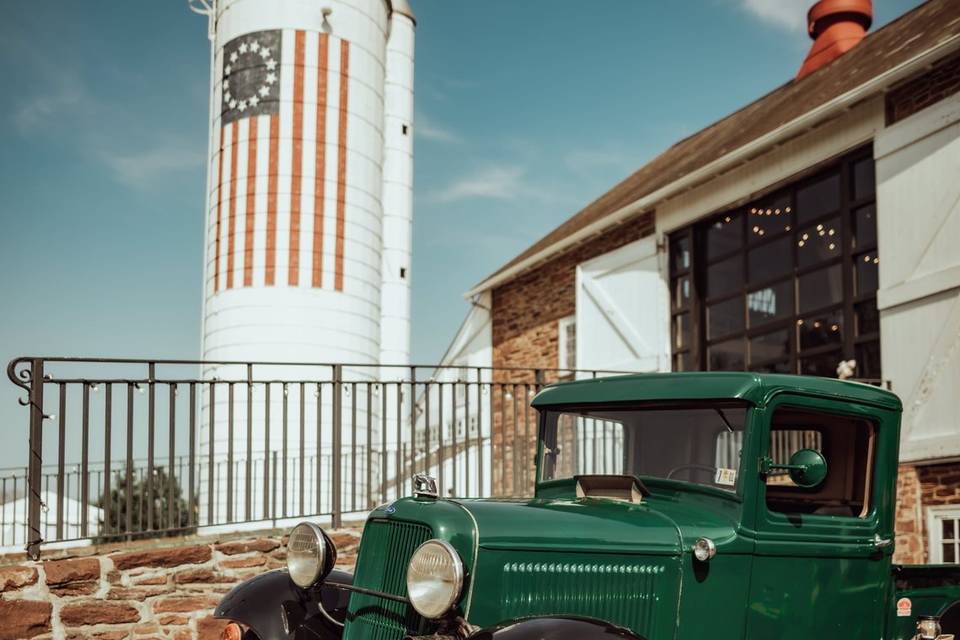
(755,388)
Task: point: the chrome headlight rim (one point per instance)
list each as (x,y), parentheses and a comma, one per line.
(704,549)
(459,574)
(325,560)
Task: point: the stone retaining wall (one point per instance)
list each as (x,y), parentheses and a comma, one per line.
(139,590)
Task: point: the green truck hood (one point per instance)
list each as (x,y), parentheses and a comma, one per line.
(667,523)
(579,526)
(599,558)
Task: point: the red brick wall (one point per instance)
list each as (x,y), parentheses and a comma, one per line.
(145,590)
(919,487)
(909,525)
(526,310)
(925,90)
(524,316)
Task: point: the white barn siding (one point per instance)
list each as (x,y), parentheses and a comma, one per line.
(918,197)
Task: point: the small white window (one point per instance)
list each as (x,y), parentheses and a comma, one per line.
(567,343)
(943,524)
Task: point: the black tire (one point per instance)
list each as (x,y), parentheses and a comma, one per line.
(950,620)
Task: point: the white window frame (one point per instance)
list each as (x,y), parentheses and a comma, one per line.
(935,515)
(563,354)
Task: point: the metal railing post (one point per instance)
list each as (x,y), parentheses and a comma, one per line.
(336,444)
(248,464)
(36,459)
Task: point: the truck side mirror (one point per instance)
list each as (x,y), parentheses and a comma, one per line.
(807,468)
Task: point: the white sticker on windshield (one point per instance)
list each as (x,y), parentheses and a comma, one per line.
(726,477)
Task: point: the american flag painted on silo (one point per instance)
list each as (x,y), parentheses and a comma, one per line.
(279,200)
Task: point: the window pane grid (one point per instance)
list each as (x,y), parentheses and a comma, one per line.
(776,285)
(949,539)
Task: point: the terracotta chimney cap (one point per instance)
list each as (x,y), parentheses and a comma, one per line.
(836,26)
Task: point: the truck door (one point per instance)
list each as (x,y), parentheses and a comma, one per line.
(822,566)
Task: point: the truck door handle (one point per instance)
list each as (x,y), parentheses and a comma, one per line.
(881,543)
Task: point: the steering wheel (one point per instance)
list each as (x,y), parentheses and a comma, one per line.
(697,467)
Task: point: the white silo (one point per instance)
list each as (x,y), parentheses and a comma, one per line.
(397,188)
(295,229)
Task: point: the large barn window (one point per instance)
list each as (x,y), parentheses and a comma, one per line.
(786,283)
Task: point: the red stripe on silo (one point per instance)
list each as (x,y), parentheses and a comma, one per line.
(270,268)
(250,209)
(296,179)
(342,162)
(321,164)
(216,240)
(232,226)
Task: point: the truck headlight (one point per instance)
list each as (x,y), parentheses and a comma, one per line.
(310,555)
(928,627)
(434,578)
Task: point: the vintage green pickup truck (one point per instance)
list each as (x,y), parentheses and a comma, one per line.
(680,506)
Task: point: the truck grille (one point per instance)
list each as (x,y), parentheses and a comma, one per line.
(638,594)
(385,551)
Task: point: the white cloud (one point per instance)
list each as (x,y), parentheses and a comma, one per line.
(789,15)
(425,128)
(41,110)
(146,167)
(493,182)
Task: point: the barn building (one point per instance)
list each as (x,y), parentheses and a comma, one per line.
(813,231)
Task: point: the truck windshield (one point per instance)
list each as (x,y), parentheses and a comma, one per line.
(693,443)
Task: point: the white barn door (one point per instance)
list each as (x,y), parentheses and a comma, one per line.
(918,225)
(623,310)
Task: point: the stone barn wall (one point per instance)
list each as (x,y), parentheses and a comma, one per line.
(158,589)
(920,487)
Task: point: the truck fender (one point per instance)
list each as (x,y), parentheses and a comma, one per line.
(950,619)
(556,628)
(262,602)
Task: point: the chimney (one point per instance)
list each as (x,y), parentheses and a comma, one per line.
(836,26)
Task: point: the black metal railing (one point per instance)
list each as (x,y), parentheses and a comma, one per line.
(129,448)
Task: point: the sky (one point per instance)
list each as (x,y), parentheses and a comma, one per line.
(525,112)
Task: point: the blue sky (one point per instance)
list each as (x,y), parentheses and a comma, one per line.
(526,111)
